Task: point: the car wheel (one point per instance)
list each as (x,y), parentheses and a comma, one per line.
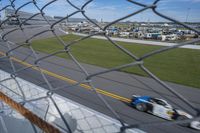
(141,107)
(182,117)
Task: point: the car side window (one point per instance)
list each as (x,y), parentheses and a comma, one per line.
(152,100)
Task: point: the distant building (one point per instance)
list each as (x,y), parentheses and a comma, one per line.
(166,24)
(170,37)
(152,35)
(23,16)
(124,34)
(73,20)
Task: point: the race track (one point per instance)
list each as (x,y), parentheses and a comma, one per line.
(111,84)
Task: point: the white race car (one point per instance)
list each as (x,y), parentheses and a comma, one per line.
(163,109)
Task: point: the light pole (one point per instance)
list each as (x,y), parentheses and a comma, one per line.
(188,11)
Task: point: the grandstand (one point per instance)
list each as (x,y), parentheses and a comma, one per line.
(36,20)
(74,20)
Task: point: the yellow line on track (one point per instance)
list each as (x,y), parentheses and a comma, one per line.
(103,92)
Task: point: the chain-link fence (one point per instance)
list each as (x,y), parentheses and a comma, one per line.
(19,66)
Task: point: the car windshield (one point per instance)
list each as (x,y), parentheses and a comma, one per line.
(160,102)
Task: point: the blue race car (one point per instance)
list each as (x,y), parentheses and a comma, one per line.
(161,108)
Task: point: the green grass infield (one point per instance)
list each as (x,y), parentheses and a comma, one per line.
(179,65)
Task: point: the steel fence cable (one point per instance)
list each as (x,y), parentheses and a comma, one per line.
(29,115)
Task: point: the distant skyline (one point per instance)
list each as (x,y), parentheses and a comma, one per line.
(108,10)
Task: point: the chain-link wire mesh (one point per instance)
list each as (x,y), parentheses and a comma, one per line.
(23,98)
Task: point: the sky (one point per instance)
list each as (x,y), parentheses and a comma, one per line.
(109,10)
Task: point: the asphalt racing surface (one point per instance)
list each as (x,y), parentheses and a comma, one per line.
(111,85)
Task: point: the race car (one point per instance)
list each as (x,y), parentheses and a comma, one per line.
(162,108)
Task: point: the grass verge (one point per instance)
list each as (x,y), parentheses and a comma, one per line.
(180,66)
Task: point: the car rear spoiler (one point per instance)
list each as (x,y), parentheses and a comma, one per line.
(135,96)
